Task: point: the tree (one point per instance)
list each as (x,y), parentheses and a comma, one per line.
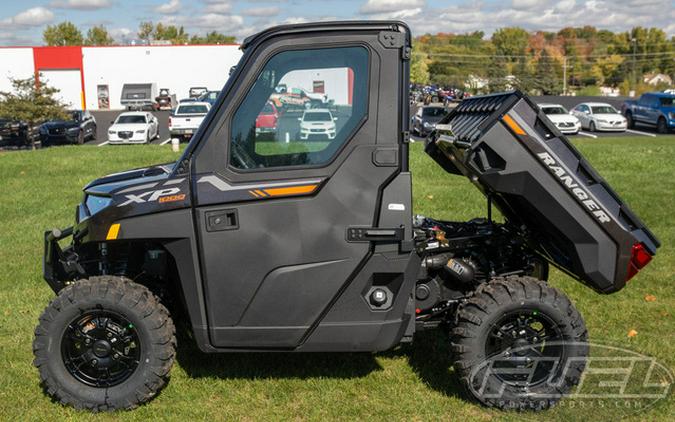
(31,102)
(545,75)
(145,30)
(98,35)
(176,35)
(419,70)
(213,37)
(511,42)
(65,33)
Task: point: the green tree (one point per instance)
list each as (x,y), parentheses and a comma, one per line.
(145,30)
(419,70)
(31,102)
(545,76)
(510,42)
(496,74)
(172,33)
(98,35)
(64,33)
(213,37)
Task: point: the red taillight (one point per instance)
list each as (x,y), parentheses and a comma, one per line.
(639,257)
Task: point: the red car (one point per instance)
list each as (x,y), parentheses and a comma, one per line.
(266,122)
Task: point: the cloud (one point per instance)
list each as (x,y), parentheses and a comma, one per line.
(261,11)
(222,23)
(35,16)
(81,4)
(390,6)
(218,6)
(173,6)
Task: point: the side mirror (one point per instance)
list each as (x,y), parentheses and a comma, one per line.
(299,119)
(335,119)
(112,122)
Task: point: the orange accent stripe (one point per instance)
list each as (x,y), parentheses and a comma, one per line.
(261,193)
(513,125)
(291,190)
(254,194)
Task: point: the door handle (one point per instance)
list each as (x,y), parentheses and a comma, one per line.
(221,220)
(374,234)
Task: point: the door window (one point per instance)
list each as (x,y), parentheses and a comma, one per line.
(284,122)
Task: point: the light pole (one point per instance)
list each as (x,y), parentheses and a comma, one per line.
(634,41)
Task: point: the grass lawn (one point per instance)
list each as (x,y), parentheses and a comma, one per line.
(39,190)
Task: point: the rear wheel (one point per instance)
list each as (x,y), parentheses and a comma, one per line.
(519,344)
(104,343)
(662,126)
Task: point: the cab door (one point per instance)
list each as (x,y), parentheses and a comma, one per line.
(287,216)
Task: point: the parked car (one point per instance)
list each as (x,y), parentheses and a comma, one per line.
(185,121)
(209,97)
(599,117)
(79,128)
(656,109)
(561,118)
(139,96)
(17,133)
(267,120)
(425,119)
(317,123)
(165,100)
(197,91)
(133,128)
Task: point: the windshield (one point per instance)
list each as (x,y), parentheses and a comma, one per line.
(668,102)
(604,110)
(434,112)
(554,110)
(267,109)
(317,117)
(131,119)
(192,109)
(75,116)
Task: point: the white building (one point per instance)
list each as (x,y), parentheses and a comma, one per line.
(81,73)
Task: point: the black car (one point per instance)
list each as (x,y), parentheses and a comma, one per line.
(16,133)
(424,121)
(79,128)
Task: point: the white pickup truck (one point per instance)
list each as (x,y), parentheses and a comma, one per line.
(185,121)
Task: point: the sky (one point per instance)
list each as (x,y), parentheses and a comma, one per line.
(22,22)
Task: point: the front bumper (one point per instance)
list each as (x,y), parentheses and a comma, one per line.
(59,265)
(611,127)
(58,139)
(136,138)
(315,133)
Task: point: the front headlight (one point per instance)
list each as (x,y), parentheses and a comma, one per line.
(428,125)
(140,131)
(97,203)
(602,121)
(73,130)
(671,115)
(111,132)
(43,130)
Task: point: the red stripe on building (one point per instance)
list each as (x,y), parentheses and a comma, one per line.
(60,58)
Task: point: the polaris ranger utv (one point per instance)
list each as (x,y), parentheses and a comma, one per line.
(311,246)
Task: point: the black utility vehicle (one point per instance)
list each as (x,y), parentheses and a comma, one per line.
(17,133)
(312,246)
(80,127)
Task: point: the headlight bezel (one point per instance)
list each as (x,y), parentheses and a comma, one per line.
(96,203)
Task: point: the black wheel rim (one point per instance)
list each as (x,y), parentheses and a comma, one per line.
(101,348)
(527,346)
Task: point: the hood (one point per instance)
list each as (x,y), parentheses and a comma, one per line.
(53,124)
(107,185)
(128,126)
(609,116)
(562,118)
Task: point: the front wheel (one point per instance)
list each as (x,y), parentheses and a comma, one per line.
(104,343)
(662,126)
(519,344)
